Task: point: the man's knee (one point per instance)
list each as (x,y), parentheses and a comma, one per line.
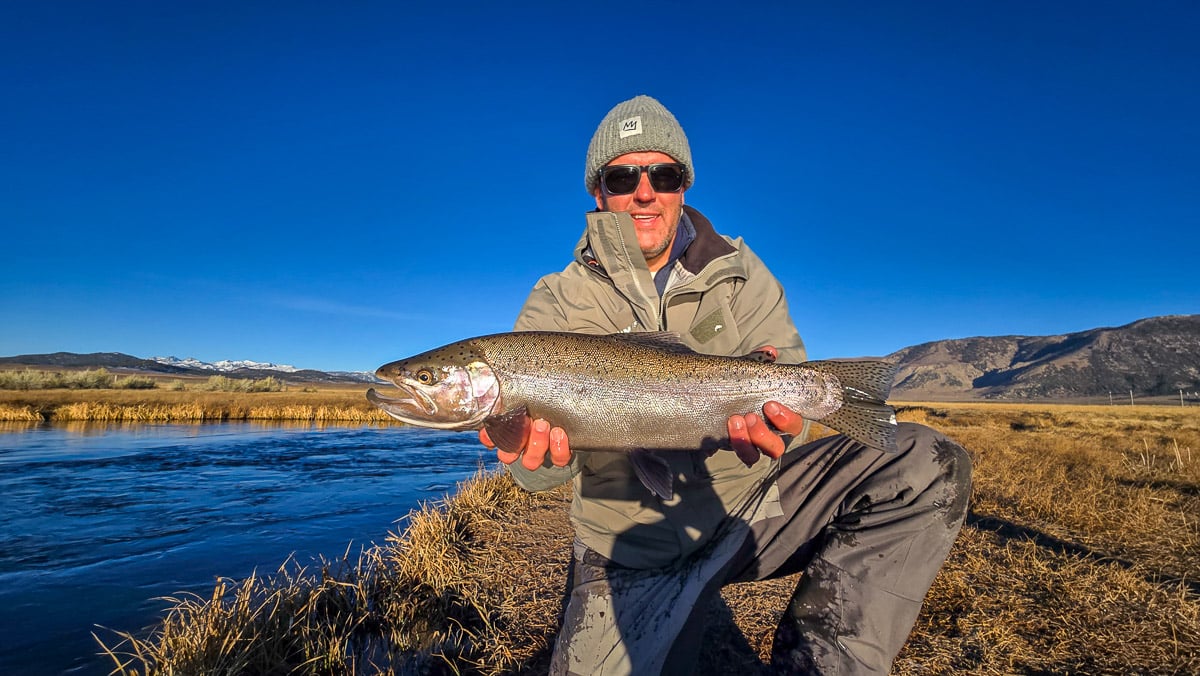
(942,460)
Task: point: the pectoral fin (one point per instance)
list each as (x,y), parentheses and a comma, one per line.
(654,473)
(509,430)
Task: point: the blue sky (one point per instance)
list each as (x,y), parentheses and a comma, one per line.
(337,185)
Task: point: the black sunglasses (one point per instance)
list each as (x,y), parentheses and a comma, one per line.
(623,179)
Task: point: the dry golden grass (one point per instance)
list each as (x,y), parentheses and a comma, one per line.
(326,404)
(19,413)
(1121,481)
(441,584)
(426,601)
(1079,556)
(294,620)
(1080,553)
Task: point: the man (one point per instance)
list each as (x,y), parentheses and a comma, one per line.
(869,530)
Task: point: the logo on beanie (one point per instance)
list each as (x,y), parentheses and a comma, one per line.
(631,126)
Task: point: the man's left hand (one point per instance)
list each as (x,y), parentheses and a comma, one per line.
(751,437)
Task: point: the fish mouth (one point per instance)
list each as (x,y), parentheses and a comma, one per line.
(416,408)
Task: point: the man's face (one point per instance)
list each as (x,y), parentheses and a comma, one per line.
(655,214)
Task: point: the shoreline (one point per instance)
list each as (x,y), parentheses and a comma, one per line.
(310,404)
(1040,579)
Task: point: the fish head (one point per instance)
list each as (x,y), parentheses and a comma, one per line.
(449,388)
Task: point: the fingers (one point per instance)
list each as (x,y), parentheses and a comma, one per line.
(501,455)
(783,418)
(536,447)
(739,439)
(542,438)
(765,440)
(769,352)
(750,436)
(560,450)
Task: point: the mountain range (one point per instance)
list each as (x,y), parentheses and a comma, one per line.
(1159,356)
(1155,357)
(116,361)
(225,365)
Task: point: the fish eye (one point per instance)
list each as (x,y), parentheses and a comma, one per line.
(426,377)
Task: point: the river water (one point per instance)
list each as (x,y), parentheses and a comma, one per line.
(98,520)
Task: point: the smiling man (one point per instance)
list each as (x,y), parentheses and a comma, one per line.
(649,187)
(868,529)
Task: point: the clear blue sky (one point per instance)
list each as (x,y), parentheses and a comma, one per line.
(336,185)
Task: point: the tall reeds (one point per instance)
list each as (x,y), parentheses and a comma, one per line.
(12,413)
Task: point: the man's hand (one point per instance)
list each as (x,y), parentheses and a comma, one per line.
(750,436)
(542,438)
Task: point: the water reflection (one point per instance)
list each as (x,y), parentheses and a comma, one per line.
(18,425)
(98,518)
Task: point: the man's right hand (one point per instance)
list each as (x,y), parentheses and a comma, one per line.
(542,439)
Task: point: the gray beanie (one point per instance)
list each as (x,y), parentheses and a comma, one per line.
(638,125)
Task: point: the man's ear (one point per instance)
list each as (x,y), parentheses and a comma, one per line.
(599,199)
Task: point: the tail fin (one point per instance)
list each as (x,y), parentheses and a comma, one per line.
(865,415)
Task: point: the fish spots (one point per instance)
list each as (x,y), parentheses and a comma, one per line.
(621,391)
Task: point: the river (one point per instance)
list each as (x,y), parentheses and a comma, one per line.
(96,520)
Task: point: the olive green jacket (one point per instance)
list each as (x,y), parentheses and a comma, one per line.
(722,300)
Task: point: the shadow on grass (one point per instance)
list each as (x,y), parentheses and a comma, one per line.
(1009,530)
(1182,487)
(725,649)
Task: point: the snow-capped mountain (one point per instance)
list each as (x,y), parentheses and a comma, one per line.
(225,365)
(235,368)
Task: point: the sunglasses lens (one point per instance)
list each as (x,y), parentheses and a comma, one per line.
(666,177)
(621,179)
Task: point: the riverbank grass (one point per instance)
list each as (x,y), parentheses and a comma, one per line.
(424,600)
(1079,556)
(217,398)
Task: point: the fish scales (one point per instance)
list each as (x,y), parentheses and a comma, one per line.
(622,395)
(635,393)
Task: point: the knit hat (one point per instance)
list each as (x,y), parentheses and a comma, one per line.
(638,125)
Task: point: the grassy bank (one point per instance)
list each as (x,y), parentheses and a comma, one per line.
(197,401)
(1079,556)
(92,379)
(426,599)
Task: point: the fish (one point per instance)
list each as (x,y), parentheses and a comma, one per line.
(644,393)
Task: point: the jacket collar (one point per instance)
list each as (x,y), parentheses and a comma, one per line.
(708,245)
(610,243)
(609,248)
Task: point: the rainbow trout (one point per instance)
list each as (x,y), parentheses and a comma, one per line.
(637,393)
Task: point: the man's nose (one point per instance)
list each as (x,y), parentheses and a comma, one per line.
(644,193)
